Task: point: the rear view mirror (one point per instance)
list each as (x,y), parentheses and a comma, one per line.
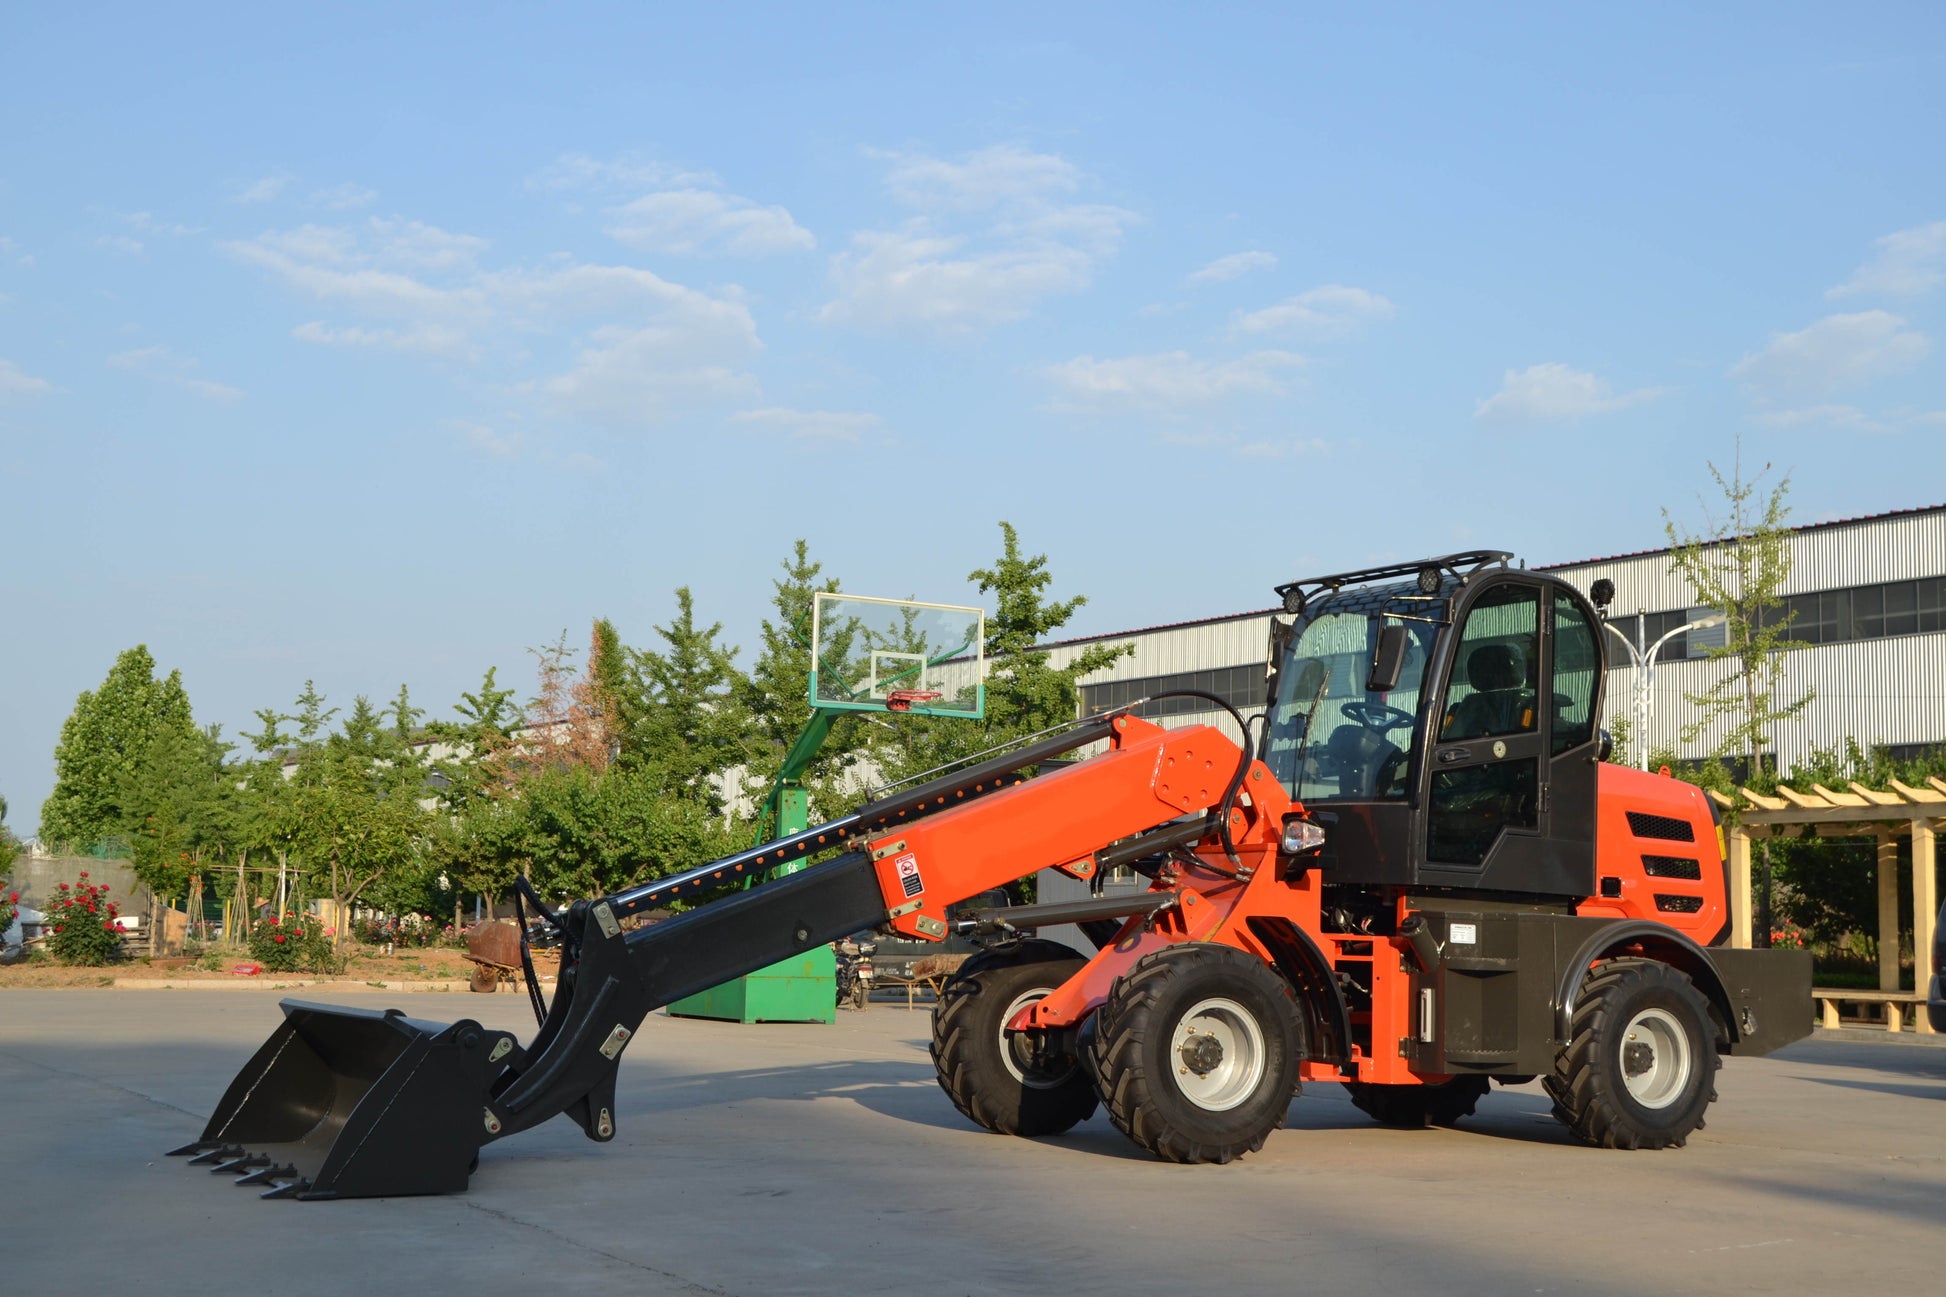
(1388,660)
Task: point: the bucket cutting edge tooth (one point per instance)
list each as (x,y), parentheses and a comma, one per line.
(245,1163)
(218,1154)
(288,1189)
(267,1175)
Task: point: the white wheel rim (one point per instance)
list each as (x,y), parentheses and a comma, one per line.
(1217,1054)
(1656,1058)
(1007,1039)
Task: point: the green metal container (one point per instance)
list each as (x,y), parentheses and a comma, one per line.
(799,989)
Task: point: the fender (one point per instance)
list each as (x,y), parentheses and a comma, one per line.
(1307,970)
(1658,941)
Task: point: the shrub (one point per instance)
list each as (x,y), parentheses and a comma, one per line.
(9,909)
(80,924)
(294,943)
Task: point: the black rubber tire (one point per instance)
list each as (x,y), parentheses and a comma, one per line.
(1137,1063)
(977,1059)
(859,993)
(1590,1082)
(1415,1107)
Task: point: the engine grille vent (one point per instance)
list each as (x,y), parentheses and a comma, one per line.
(1673,867)
(1678,904)
(1666,827)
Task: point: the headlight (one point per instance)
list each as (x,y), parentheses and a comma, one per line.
(1301,834)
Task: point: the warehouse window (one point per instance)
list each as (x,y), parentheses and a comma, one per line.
(1244,688)
(1820,617)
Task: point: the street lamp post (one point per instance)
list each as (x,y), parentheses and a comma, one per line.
(1643,706)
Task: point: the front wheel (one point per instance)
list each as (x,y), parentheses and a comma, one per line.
(1011,1082)
(1639,1069)
(1195,1052)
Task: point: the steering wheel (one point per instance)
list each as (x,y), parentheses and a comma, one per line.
(1376,716)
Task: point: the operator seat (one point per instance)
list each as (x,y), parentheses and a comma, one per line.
(1498,702)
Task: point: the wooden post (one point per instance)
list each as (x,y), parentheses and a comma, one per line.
(1925,907)
(1888,912)
(1740,887)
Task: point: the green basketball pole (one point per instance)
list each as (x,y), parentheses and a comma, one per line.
(803,988)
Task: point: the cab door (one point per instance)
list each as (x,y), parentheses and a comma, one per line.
(1507,729)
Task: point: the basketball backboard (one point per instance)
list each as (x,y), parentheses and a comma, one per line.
(897,655)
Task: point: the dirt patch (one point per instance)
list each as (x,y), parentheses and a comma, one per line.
(431,965)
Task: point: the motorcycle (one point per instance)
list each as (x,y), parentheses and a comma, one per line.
(854,981)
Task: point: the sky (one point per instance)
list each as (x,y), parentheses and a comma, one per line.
(376,344)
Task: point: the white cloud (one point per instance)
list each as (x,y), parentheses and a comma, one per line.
(812,425)
(15,383)
(700,220)
(1554,393)
(265,189)
(1330,311)
(1165,382)
(375,267)
(888,280)
(1839,418)
(645,346)
(486,441)
(1230,443)
(635,376)
(1849,418)
(148,223)
(631,171)
(430,339)
(163,365)
(989,244)
(339,198)
(1838,351)
(120,243)
(1002,175)
(1908,263)
(1232,266)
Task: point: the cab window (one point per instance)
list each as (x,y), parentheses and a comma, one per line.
(1496,668)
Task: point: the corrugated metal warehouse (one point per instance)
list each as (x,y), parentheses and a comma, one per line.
(1869,595)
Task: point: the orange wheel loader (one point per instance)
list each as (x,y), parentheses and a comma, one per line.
(1416,878)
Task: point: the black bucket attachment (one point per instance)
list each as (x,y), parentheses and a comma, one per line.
(357,1103)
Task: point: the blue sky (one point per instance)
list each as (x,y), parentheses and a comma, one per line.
(375,345)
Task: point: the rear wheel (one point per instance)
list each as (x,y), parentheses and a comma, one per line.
(1418,1106)
(1012,1082)
(1195,1053)
(1640,1066)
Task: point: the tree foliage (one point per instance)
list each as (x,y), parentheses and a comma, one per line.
(1738,566)
(609,776)
(104,743)
(1025,693)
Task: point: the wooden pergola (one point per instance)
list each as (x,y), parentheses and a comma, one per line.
(1860,812)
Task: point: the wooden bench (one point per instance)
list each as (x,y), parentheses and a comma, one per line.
(1892,1006)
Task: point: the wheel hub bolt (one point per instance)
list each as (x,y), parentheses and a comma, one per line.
(1202,1054)
(1637,1058)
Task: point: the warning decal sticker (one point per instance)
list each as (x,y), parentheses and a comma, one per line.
(908,867)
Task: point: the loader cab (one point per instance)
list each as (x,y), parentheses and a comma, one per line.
(1474,768)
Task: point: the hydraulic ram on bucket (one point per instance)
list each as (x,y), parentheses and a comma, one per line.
(344,1103)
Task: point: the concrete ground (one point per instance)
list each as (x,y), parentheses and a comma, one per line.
(807,1159)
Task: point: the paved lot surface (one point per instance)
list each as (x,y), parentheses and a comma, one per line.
(805,1159)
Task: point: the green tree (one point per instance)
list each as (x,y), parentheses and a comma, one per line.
(185,796)
(1025,692)
(777,693)
(9,844)
(1738,566)
(693,721)
(103,742)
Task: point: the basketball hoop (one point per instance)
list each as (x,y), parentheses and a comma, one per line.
(901,700)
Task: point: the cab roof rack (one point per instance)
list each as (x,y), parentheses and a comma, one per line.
(1430,572)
